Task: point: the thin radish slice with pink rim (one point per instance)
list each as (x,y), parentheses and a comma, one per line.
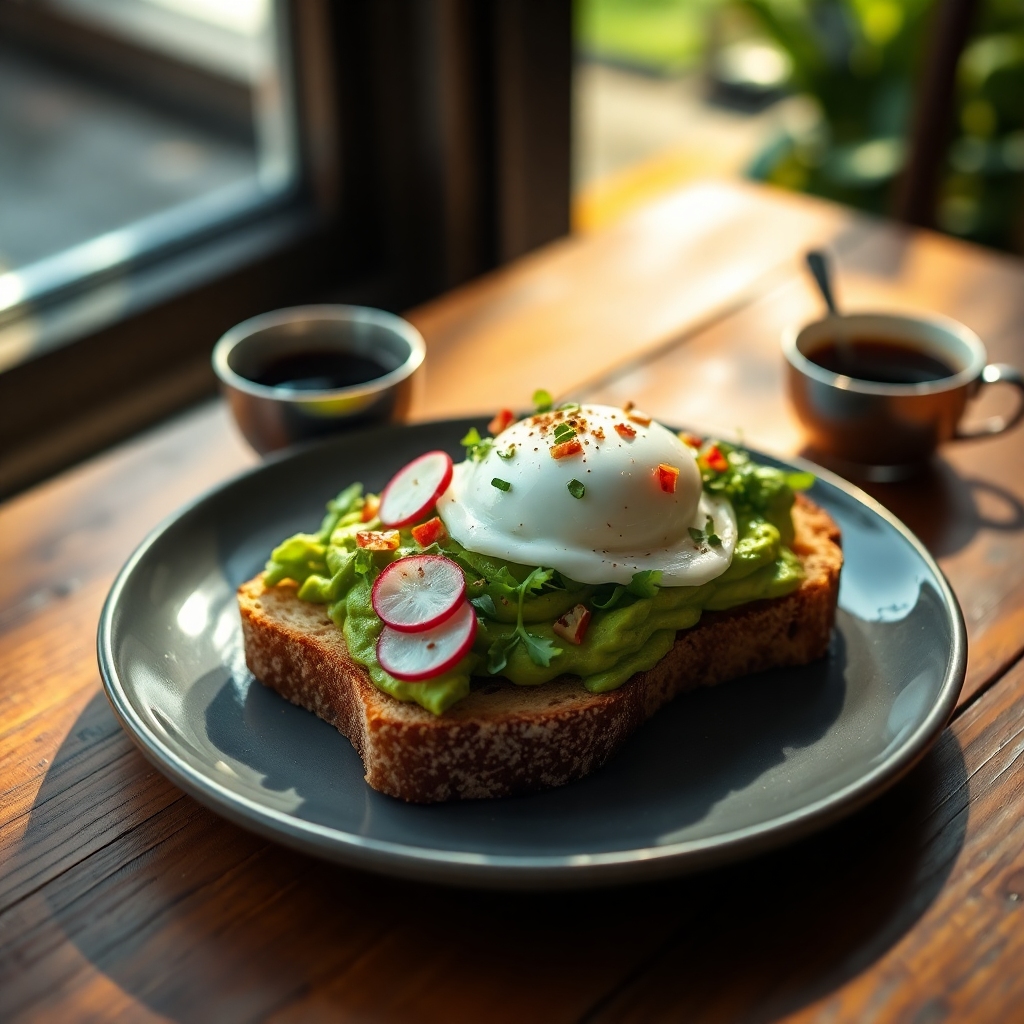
(415,657)
(418,592)
(412,492)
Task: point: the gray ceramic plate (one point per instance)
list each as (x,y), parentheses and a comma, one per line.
(717,775)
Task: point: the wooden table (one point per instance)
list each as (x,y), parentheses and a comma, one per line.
(121,898)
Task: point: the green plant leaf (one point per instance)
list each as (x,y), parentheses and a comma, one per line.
(498,653)
(485,605)
(542,400)
(645,584)
(540,649)
(611,601)
(800,481)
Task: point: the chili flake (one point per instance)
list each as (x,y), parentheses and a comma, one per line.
(377,540)
(503,418)
(427,533)
(370,507)
(667,477)
(566,448)
(714,459)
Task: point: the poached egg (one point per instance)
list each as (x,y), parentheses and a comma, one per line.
(598,514)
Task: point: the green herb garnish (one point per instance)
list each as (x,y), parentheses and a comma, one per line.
(611,600)
(540,649)
(563,433)
(576,488)
(800,481)
(645,584)
(707,536)
(709,531)
(507,454)
(476,446)
(542,400)
(485,604)
(502,485)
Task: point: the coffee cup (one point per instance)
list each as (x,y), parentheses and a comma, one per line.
(877,393)
(296,374)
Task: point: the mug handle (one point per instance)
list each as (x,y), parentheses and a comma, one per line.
(998,373)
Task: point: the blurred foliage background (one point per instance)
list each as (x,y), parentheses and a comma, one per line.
(856,62)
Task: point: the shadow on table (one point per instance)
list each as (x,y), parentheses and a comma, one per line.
(200,921)
(944,508)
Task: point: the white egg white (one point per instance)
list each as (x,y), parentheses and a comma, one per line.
(624,523)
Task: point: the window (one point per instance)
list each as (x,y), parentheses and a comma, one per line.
(131,126)
(171,167)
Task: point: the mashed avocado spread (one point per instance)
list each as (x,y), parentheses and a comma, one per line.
(631,629)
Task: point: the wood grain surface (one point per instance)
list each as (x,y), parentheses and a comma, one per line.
(122,899)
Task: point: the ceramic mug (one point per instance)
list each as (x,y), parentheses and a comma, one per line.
(881,431)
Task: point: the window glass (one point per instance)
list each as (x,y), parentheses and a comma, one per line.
(127,126)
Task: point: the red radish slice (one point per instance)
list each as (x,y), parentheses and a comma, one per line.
(413,657)
(413,490)
(418,592)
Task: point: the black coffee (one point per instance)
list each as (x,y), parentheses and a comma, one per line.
(881,360)
(319,371)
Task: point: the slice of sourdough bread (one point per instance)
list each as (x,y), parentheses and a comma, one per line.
(502,738)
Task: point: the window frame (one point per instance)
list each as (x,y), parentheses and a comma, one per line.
(434,144)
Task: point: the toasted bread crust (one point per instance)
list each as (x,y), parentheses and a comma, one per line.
(504,739)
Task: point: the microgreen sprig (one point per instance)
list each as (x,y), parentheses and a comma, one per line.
(540,649)
(476,446)
(563,433)
(707,537)
(542,400)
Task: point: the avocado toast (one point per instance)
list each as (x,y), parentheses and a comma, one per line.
(557,671)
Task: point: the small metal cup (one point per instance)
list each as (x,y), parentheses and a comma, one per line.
(875,431)
(272,416)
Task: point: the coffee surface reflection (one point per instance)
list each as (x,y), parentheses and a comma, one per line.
(882,360)
(319,371)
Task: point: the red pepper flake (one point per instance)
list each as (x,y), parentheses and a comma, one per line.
(714,459)
(566,448)
(691,440)
(427,533)
(625,431)
(640,417)
(370,507)
(503,418)
(667,477)
(572,626)
(377,540)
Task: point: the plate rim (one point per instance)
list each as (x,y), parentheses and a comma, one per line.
(520,871)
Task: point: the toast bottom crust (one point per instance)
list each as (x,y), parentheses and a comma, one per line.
(504,739)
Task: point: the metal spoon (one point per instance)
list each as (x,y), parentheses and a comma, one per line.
(818,263)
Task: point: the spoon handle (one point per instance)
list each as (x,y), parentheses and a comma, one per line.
(818,263)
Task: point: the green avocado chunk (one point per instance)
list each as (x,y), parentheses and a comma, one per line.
(631,628)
